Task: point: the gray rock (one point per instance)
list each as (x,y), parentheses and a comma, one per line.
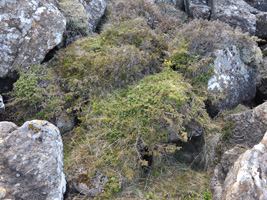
(65,122)
(262,80)
(233,81)
(2,105)
(31,162)
(247,179)
(6,128)
(28,30)
(175,3)
(221,170)
(239,13)
(2,193)
(258,4)
(198,9)
(90,186)
(82,17)
(249,127)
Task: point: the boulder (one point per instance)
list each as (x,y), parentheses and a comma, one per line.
(198,9)
(258,4)
(176,3)
(238,13)
(221,170)
(31,161)
(247,179)
(82,17)
(2,105)
(233,81)
(90,186)
(29,29)
(262,81)
(249,127)
(65,122)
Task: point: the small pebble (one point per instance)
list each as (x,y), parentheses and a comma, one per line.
(2,193)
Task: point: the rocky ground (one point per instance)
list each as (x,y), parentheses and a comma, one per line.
(144,99)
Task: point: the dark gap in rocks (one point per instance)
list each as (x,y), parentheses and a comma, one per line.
(191,152)
(262,43)
(6,84)
(102,21)
(210,109)
(259,99)
(50,55)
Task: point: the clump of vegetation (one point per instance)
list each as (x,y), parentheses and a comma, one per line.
(124,10)
(115,127)
(202,38)
(121,55)
(36,95)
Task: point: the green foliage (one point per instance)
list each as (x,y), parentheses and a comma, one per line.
(36,95)
(115,126)
(227,130)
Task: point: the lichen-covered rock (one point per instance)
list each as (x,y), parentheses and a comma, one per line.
(2,105)
(247,179)
(221,170)
(6,128)
(31,162)
(28,30)
(82,17)
(262,80)
(258,4)
(239,13)
(90,186)
(65,122)
(249,127)
(198,9)
(233,81)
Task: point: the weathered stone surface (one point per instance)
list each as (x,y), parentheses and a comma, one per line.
(249,127)
(65,122)
(262,81)
(28,30)
(239,13)
(258,4)
(6,128)
(221,170)
(90,186)
(233,81)
(2,193)
(2,105)
(31,162)
(170,11)
(247,179)
(82,17)
(95,9)
(175,3)
(198,9)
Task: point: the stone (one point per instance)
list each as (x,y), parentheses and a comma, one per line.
(6,128)
(221,170)
(238,13)
(90,186)
(175,3)
(233,81)
(65,122)
(258,4)
(249,127)
(262,80)
(31,162)
(2,193)
(82,17)
(29,29)
(247,179)
(2,105)
(198,9)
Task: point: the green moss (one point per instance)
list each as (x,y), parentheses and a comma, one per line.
(142,114)
(36,95)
